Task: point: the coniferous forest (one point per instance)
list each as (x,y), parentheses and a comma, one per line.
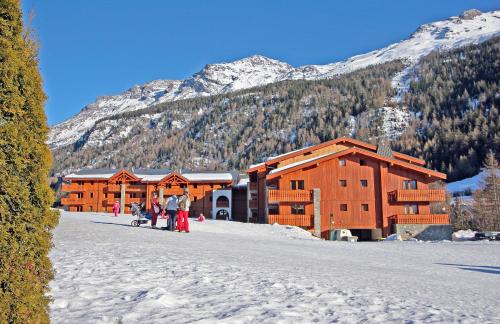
(451,108)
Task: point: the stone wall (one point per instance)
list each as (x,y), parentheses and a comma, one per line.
(425,232)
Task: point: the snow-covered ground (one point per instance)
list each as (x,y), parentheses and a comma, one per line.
(228,272)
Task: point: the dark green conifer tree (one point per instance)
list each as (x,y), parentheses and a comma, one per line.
(26,219)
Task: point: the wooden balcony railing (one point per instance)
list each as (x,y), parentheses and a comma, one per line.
(113,188)
(294,220)
(415,195)
(71,201)
(253,204)
(420,219)
(135,188)
(72,187)
(289,196)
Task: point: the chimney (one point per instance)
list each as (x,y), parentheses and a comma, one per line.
(384,148)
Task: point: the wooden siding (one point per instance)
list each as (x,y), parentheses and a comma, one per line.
(324,150)
(405,195)
(294,220)
(289,195)
(420,219)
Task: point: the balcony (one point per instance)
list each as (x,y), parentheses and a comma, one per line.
(289,196)
(72,187)
(113,188)
(67,201)
(420,219)
(135,188)
(417,195)
(294,220)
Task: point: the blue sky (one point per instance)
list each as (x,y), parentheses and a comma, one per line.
(102,47)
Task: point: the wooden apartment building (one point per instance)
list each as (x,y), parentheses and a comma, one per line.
(356,185)
(97,190)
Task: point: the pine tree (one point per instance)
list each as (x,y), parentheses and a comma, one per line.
(487,199)
(25,197)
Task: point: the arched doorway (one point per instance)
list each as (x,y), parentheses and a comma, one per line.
(222,214)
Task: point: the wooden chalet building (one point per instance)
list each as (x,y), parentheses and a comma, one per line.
(361,187)
(97,190)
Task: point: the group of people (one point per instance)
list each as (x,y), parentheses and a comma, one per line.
(176,210)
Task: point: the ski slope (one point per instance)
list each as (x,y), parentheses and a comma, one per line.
(228,272)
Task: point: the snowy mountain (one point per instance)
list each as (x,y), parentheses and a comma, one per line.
(470,27)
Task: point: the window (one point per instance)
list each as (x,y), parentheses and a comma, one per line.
(364,207)
(298,209)
(362,162)
(297,184)
(195,198)
(195,186)
(80,195)
(409,184)
(143,195)
(169,185)
(364,183)
(274,209)
(105,195)
(91,195)
(343,183)
(211,186)
(90,208)
(341,162)
(411,209)
(343,207)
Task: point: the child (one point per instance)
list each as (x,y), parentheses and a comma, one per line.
(116,208)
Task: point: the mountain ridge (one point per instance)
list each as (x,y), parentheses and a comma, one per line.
(257,70)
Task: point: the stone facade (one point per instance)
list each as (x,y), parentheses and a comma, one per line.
(425,232)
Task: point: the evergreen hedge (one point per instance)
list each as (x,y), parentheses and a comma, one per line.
(26,219)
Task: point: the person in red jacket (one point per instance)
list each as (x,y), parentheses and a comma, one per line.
(155,209)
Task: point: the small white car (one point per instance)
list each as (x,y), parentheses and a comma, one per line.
(343,235)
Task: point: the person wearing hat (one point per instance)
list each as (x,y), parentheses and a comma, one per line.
(172,206)
(182,215)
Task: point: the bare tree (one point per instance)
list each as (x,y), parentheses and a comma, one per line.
(487,199)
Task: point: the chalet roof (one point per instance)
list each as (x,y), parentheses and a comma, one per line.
(207,176)
(301,164)
(354,142)
(104,173)
(153,175)
(291,165)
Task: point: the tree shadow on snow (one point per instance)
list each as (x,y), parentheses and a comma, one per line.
(468,267)
(108,223)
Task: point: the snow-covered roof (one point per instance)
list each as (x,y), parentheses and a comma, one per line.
(243,182)
(89,176)
(291,165)
(208,176)
(151,174)
(104,173)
